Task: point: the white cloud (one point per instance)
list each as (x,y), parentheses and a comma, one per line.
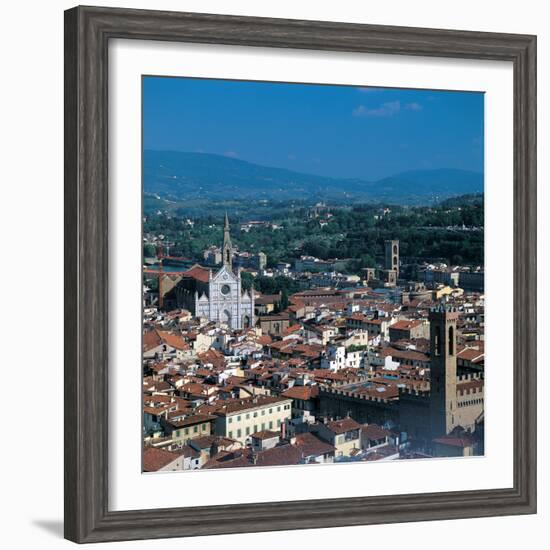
(413,106)
(385,110)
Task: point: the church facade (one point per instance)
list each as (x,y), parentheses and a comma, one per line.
(217,297)
(225,302)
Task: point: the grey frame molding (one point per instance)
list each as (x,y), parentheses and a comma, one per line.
(87,34)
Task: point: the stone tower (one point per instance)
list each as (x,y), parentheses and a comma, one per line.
(391,249)
(227,248)
(442,370)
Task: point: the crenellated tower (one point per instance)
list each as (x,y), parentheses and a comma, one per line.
(443,400)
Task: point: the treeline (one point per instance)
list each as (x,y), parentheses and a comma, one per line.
(451,231)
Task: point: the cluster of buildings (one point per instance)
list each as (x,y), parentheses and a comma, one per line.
(385,370)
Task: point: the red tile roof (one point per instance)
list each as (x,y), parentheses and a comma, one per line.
(173,340)
(199,273)
(232,406)
(406,324)
(277,456)
(154,459)
(192,420)
(343,426)
(373,432)
(303,393)
(310,445)
(265,434)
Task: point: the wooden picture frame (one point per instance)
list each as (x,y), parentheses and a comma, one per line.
(87,34)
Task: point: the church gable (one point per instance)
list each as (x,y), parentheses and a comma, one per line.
(224,275)
(203,298)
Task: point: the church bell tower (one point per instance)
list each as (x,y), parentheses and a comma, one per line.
(227,247)
(442,370)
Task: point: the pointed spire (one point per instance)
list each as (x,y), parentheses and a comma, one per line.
(227,247)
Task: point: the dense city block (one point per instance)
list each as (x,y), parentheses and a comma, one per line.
(311,334)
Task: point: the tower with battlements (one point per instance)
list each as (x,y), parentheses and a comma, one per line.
(443,379)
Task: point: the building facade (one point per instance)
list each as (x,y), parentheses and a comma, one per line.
(239,420)
(443,375)
(217,297)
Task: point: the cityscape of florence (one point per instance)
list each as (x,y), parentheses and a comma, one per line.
(313,274)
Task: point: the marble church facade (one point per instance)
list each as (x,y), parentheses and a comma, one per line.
(217,297)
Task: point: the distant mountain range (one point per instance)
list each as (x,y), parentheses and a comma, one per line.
(174,175)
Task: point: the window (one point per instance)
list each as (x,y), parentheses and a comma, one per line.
(195,429)
(239,418)
(263,412)
(230,420)
(248,430)
(255,414)
(451,341)
(263,426)
(278,409)
(204,426)
(186,431)
(247,416)
(239,432)
(279,423)
(230,434)
(270,411)
(270,424)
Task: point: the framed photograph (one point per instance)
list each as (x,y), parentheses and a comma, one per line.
(300,273)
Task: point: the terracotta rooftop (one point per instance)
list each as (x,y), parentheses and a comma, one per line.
(406,324)
(198,273)
(303,393)
(374,432)
(343,426)
(154,459)
(310,445)
(191,420)
(277,456)
(265,434)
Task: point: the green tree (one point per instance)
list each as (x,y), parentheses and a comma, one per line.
(149,251)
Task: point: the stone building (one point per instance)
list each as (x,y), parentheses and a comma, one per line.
(217,297)
(423,411)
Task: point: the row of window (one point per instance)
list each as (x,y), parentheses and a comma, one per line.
(248,430)
(255,414)
(185,431)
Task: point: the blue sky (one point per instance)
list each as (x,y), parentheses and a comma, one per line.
(339,131)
